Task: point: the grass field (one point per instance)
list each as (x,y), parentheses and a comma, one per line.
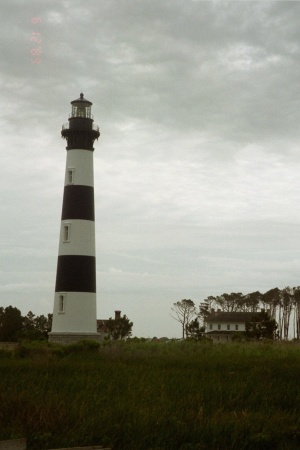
(158,396)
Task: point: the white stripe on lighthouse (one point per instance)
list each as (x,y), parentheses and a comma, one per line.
(78,315)
(77,237)
(80,162)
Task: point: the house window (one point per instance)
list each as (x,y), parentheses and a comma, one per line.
(228,327)
(61,303)
(219,327)
(236,327)
(70,176)
(66,232)
(210,326)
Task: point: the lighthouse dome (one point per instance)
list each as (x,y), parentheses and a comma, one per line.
(81,101)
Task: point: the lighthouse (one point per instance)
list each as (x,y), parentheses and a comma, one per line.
(74,312)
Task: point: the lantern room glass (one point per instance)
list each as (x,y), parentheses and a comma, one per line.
(81,110)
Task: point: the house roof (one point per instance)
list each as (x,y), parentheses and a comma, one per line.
(223,316)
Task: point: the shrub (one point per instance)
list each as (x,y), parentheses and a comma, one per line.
(81,346)
(150,395)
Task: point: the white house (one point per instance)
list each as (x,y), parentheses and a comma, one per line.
(221,326)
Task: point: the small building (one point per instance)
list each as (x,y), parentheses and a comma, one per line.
(102,328)
(221,326)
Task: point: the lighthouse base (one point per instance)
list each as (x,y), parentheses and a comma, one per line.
(72,338)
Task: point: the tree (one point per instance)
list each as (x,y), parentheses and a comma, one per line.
(42,326)
(297,312)
(10,324)
(28,328)
(271,300)
(287,303)
(261,326)
(36,327)
(204,310)
(252,301)
(119,328)
(194,330)
(184,310)
(231,302)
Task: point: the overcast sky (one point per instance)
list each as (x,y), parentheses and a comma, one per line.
(197,167)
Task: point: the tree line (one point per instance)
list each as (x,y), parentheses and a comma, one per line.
(14,326)
(282,305)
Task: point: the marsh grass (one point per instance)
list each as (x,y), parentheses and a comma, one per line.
(158,396)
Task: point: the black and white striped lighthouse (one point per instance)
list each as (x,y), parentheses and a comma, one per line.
(74,313)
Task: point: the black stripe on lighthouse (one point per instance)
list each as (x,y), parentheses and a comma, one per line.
(76,273)
(78,203)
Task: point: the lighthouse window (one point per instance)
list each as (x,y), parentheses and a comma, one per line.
(66,233)
(70,176)
(61,303)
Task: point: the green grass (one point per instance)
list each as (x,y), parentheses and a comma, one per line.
(158,396)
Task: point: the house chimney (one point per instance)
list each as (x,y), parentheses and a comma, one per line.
(117,315)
